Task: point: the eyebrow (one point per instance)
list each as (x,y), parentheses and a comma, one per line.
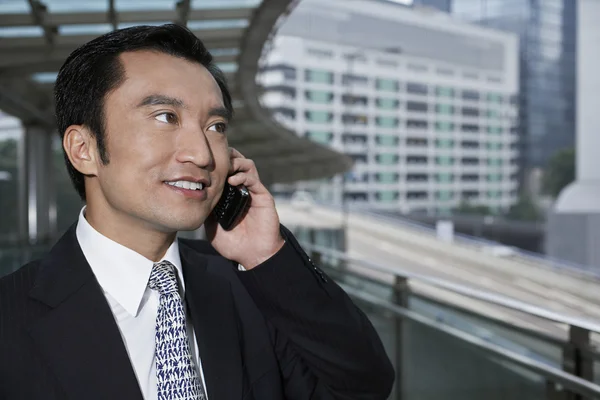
(160,99)
(220,112)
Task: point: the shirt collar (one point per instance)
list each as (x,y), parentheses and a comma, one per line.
(120,271)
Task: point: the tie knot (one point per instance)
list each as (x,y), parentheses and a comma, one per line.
(163,278)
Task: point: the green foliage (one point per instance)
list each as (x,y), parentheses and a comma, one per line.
(525,210)
(559,172)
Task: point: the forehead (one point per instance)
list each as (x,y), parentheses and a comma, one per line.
(151,72)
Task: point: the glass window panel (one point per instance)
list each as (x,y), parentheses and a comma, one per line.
(387,104)
(318,76)
(318,116)
(84,29)
(211,4)
(10,134)
(387,122)
(389,85)
(21,31)
(320,136)
(14,6)
(319,96)
(387,140)
(387,159)
(68,6)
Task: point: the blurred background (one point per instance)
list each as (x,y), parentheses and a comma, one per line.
(436,156)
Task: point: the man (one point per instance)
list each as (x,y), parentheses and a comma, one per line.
(122,309)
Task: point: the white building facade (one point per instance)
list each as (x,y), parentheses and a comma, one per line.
(425,105)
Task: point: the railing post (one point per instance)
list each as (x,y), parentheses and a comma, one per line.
(575,357)
(401,299)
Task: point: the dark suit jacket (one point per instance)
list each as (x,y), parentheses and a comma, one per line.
(283,330)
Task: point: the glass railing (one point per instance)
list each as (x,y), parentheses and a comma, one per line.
(449,341)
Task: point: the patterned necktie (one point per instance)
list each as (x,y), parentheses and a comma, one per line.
(177,376)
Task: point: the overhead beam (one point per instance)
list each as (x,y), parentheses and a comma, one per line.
(57,19)
(27,102)
(27,64)
(212,38)
(39,11)
(113,19)
(183,12)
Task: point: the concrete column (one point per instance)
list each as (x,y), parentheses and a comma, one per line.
(573,228)
(37,197)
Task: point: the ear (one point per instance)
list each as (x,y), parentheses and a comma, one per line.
(80,147)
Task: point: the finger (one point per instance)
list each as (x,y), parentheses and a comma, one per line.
(243,165)
(249,180)
(233,153)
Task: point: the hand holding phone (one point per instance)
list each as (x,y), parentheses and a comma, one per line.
(232,205)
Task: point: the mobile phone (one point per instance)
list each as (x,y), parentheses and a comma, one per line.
(232,205)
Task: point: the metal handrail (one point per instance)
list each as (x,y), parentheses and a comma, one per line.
(464,290)
(569,381)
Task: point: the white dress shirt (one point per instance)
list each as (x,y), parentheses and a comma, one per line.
(123,275)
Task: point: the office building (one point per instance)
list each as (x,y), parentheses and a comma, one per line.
(425,105)
(547,61)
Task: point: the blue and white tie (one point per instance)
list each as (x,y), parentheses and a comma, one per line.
(176,374)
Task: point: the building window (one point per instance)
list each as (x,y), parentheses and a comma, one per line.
(319,53)
(494,194)
(497,162)
(469,144)
(387,63)
(388,195)
(319,117)
(417,106)
(444,126)
(470,95)
(354,80)
(470,75)
(355,119)
(387,85)
(443,91)
(416,124)
(444,160)
(444,195)
(387,140)
(469,128)
(387,104)
(387,159)
(352,100)
(359,158)
(469,178)
(417,195)
(444,143)
(469,161)
(417,67)
(387,122)
(444,178)
(470,194)
(319,96)
(470,112)
(416,160)
(417,177)
(495,146)
(285,112)
(320,136)
(289,72)
(444,109)
(494,177)
(354,138)
(318,76)
(495,130)
(416,142)
(494,98)
(444,71)
(387,177)
(416,88)
(493,114)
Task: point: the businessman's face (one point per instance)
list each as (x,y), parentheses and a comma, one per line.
(165,131)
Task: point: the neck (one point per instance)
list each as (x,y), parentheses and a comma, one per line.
(130,232)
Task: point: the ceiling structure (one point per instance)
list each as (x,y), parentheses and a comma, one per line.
(37,36)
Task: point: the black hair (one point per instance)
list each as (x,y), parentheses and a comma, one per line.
(94,69)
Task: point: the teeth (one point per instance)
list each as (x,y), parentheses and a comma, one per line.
(187,185)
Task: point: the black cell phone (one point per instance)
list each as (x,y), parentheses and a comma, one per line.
(232,205)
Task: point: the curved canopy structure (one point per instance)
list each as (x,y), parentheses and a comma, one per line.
(37,36)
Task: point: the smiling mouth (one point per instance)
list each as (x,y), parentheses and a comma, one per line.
(186,185)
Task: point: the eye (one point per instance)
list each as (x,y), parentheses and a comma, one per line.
(218,127)
(167,118)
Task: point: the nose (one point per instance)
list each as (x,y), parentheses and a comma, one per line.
(193,147)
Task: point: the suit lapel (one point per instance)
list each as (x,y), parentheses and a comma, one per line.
(215,321)
(79,338)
